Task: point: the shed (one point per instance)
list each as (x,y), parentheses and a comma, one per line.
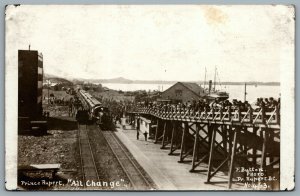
(183,92)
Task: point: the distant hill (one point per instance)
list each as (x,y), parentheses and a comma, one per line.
(55,79)
(116,80)
(46,75)
(121,80)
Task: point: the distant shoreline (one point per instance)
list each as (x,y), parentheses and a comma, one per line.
(121,80)
(224,83)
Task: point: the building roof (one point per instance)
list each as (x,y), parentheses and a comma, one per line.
(193,87)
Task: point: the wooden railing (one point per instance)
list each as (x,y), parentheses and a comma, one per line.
(216,115)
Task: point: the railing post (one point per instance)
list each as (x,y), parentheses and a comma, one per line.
(221,113)
(277,115)
(229,113)
(239,114)
(251,114)
(263,114)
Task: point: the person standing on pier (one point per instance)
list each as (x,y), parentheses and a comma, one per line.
(137,127)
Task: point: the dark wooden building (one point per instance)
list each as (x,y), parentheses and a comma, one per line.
(30,64)
(183,92)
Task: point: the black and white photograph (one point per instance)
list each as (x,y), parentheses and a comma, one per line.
(150,97)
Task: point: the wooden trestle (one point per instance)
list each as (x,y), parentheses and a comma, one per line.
(222,139)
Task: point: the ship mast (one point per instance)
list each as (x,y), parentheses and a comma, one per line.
(245,92)
(205,78)
(215,79)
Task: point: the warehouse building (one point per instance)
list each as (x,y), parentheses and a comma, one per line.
(183,92)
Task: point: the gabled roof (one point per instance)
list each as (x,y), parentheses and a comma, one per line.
(193,87)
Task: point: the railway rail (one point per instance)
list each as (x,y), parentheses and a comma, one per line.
(87,161)
(138,178)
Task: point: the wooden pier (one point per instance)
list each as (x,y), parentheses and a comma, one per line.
(223,139)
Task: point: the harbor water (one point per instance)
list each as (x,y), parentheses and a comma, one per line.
(235,91)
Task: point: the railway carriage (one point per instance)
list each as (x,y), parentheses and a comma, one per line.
(96,111)
(90,104)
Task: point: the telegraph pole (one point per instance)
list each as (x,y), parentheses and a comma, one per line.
(48,91)
(245,91)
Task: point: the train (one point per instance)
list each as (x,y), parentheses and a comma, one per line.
(93,110)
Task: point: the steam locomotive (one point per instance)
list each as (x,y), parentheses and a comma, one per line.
(93,110)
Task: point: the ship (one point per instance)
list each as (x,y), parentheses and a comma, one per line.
(220,95)
(214,94)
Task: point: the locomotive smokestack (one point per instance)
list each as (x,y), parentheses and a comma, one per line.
(29,47)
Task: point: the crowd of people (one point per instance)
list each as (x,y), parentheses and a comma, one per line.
(118,109)
(267,104)
(52,100)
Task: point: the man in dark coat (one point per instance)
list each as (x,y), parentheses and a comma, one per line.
(137,127)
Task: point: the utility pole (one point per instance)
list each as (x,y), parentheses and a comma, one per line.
(245,91)
(204,78)
(215,78)
(48,90)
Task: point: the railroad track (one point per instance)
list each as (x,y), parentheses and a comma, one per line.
(137,176)
(87,160)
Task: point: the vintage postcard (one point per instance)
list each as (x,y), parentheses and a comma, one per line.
(150,97)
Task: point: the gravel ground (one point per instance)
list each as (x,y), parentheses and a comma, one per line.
(56,147)
(59,146)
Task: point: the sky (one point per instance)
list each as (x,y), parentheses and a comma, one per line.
(155,42)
